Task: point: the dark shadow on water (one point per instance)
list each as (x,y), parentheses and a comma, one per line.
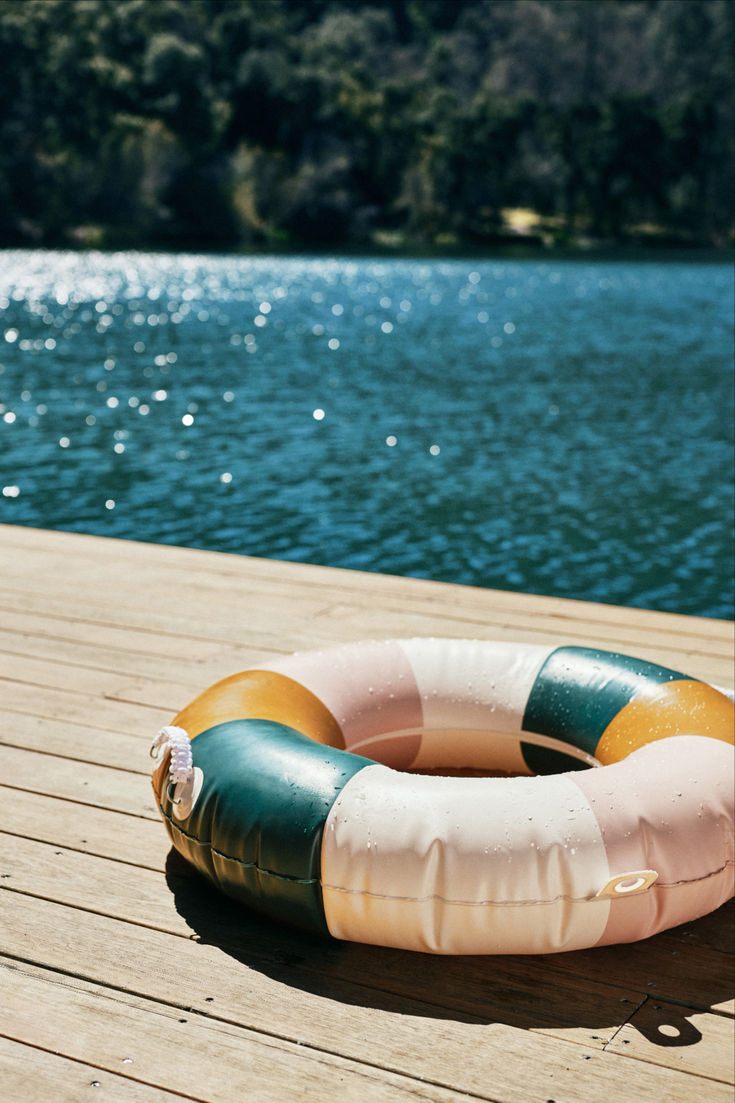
(598,989)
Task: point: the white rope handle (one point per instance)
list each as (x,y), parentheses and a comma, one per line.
(184,779)
(180,768)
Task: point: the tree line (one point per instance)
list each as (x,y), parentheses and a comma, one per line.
(355,123)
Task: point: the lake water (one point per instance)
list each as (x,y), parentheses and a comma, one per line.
(553,426)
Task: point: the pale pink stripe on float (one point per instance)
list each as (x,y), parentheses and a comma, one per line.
(369,688)
(474,684)
(668,807)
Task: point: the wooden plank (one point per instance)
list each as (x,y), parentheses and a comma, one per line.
(65,739)
(480,1057)
(101,905)
(79,879)
(117,790)
(40,661)
(209,617)
(140,677)
(201,663)
(68,825)
(237,581)
(716,930)
(31,681)
(171,696)
(74,879)
(186,1052)
(201,567)
(152,687)
(272,630)
(679,1037)
(141,896)
(675,965)
(80,708)
(106,643)
(29,1073)
(56,674)
(68,678)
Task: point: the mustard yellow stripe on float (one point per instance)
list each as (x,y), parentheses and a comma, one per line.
(674,708)
(261,695)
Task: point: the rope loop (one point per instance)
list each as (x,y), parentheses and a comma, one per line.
(184,779)
(180,768)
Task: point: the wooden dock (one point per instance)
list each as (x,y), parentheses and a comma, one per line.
(126,978)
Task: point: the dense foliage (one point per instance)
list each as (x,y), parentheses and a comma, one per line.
(347,122)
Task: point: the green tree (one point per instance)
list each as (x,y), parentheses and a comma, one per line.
(291,121)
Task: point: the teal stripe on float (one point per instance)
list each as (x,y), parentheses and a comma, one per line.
(577,692)
(256,828)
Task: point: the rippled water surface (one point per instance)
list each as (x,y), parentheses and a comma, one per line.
(559,427)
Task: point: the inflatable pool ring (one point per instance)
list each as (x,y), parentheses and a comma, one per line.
(290,787)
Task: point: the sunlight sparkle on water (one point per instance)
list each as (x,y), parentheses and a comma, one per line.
(563,396)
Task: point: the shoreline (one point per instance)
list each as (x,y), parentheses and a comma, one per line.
(507,250)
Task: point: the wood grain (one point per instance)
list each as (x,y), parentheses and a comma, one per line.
(125,977)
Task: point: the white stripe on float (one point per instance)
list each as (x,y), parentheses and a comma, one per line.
(474,684)
(464,866)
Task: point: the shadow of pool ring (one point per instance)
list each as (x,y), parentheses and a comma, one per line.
(290,787)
